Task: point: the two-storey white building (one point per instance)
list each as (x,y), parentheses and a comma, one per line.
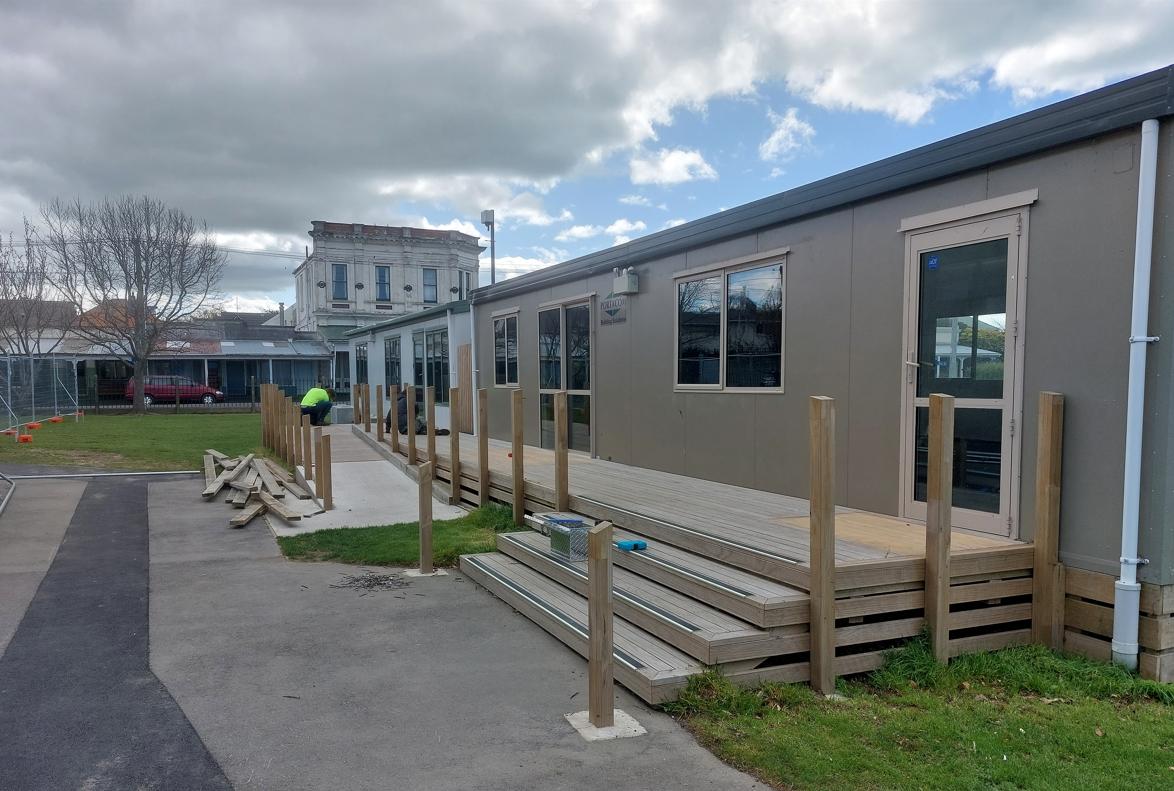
(360,274)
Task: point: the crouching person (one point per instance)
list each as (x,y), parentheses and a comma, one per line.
(419,425)
(316,403)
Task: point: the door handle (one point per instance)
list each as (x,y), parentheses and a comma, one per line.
(910,367)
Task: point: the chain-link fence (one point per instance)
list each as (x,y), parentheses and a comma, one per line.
(36,388)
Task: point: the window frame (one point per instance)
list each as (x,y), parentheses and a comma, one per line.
(724,270)
(389,359)
(379,268)
(435,286)
(504,318)
(334,281)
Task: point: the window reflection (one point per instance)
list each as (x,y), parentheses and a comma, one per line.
(699,310)
(549,350)
(579,347)
(754,327)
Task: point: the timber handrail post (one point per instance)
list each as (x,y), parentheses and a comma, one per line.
(410,409)
(393,396)
(367,408)
(939,500)
(454,445)
(319,490)
(356,403)
(600,670)
(822,586)
(430,421)
(327,490)
(561,472)
(295,434)
(426,473)
(307,452)
(518,456)
(379,413)
(264,418)
(1047,601)
(483,446)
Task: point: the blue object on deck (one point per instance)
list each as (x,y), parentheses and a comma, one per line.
(628,546)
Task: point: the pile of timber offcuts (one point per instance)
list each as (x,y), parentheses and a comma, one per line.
(256,485)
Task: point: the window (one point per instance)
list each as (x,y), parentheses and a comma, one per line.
(463,284)
(361,363)
(730,330)
(505,351)
(431,362)
(383,283)
(550,350)
(430,286)
(339,288)
(391,373)
(564,362)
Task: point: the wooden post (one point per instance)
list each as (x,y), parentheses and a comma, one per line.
(357,403)
(367,408)
(483,446)
(410,408)
(823,544)
(379,413)
(295,434)
(264,416)
(939,523)
(454,446)
(426,472)
(430,420)
(1047,610)
(393,395)
(307,453)
(319,490)
(518,451)
(600,691)
(327,493)
(562,496)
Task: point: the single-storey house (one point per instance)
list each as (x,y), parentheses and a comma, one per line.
(1016,258)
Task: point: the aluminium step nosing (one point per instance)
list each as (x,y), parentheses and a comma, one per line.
(623,656)
(620,593)
(694,531)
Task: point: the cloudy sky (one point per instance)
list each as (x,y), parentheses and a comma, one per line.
(583,124)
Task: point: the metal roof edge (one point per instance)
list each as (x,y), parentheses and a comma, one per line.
(456,306)
(1103,110)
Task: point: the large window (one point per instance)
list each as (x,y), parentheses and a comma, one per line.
(430,286)
(550,349)
(361,363)
(338,281)
(505,351)
(383,284)
(564,363)
(730,330)
(391,369)
(466,283)
(431,361)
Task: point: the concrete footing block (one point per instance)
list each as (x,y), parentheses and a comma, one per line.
(418,573)
(625,726)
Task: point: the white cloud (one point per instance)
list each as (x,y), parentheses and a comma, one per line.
(674,223)
(669,166)
(517,201)
(578,232)
(513,265)
(775,172)
(789,135)
(623,228)
(464,226)
(635,200)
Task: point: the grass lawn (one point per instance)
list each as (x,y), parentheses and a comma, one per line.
(1017,718)
(138,442)
(399,545)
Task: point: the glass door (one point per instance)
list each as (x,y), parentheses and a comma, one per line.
(564,363)
(961,332)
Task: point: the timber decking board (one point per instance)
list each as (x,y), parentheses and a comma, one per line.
(765,520)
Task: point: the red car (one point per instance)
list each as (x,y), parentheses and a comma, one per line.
(164,389)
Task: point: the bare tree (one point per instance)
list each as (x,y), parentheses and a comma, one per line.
(135,269)
(32,322)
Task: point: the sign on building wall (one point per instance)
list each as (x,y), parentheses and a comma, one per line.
(614,309)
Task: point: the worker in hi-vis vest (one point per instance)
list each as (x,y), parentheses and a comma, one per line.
(316,404)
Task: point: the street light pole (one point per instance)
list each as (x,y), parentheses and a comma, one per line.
(487,221)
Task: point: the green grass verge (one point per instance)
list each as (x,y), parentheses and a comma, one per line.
(399,545)
(1017,718)
(136,442)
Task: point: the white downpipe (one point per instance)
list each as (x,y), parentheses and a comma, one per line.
(1127,601)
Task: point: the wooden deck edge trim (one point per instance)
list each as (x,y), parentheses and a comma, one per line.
(1097,586)
(963,563)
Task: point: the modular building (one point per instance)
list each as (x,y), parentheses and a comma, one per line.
(990,266)
(427,348)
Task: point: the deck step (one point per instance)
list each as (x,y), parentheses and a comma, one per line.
(647,666)
(704,632)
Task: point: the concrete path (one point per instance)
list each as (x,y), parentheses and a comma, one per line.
(294,684)
(367,491)
(79,706)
